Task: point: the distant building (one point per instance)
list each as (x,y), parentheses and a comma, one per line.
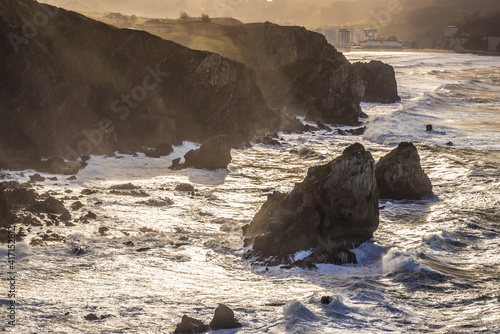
(370,34)
(494,44)
(344,38)
(450,31)
(356,37)
(382,44)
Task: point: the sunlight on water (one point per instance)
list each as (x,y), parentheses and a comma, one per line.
(432,266)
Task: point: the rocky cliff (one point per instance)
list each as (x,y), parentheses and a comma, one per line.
(297,69)
(334,209)
(379,80)
(71,86)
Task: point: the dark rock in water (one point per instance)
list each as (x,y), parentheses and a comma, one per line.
(269,140)
(88,192)
(189,325)
(139,193)
(379,80)
(400,175)
(52,178)
(428,127)
(52,205)
(76,205)
(326,300)
(213,154)
(160,151)
(78,250)
(36,178)
(90,215)
(176,164)
(91,317)
(184,187)
(449,143)
(323,126)
(71,178)
(334,209)
(357,132)
(224,318)
(143,249)
(129,243)
(103,230)
(125,186)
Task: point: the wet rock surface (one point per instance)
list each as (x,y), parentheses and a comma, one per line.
(400,175)
(215,153)
(333,210)
(379,80)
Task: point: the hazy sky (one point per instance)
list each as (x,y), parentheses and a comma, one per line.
(299,12)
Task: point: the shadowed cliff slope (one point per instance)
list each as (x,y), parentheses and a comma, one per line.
(72,86)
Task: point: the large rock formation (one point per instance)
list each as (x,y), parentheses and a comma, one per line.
(71,86)
(400,175)
(213,154)
(379,80)
(334,209)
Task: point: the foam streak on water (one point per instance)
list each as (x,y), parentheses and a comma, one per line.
(431,266)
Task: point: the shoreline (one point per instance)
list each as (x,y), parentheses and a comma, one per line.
(472,52)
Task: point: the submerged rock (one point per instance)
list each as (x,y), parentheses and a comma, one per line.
(190,325)
(379,80)
(184,187)
(215,153)
(400,175)
(334,209)
(224,318)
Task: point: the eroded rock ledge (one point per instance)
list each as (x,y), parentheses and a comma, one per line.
(333,210)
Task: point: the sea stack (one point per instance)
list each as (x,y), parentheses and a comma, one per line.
(333,210)
(400,175)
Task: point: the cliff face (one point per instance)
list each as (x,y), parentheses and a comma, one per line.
(379,80)
(296,68)
(71,86)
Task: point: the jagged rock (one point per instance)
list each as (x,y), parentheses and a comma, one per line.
(400,175)
(87,192)
(160,151)
(269,140)
(213,154)
(90,215)
(76,205)
(52,205)
(224,318)
(379,80)
(184,187)
(138,193)
(190,325)
(323,126)
(334,209)
(36,178)
(125,186)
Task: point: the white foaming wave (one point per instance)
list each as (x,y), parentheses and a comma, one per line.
(395,261)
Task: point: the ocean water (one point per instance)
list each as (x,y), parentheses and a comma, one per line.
(432,267)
